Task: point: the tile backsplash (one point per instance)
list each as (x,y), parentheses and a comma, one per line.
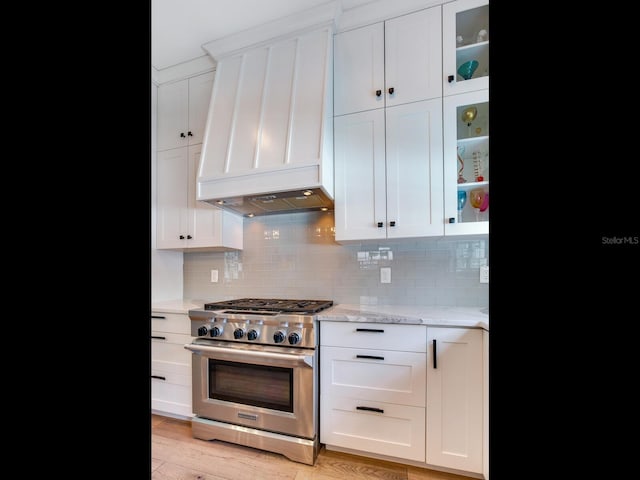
(296,256)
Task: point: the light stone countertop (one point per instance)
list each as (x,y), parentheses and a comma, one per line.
(414,315)
(475,317)
(177,306)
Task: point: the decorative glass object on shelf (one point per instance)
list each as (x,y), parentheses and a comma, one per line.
(467,69)
(472,43)
(462,201)
(479,200)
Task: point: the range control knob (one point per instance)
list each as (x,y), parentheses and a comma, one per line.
(238,333)
(202,331)
(252,335)
(216,332)
(294,338)
(278,337)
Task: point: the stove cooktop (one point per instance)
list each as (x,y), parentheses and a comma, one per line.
(271,304)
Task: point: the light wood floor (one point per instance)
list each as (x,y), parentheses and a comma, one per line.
(176,455)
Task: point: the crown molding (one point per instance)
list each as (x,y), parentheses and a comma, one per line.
(183,70)
(380,10)
(321,15)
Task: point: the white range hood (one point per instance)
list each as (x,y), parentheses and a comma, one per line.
(268,143)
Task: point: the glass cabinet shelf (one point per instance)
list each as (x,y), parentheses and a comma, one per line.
(472,140)
(470,185)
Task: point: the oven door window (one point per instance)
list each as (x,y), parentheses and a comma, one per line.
(257,385)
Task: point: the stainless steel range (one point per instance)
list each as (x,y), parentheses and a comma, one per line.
(255,379)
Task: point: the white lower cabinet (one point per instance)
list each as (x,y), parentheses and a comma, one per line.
(373,399)
(406,392)
(170,364)
(455,398)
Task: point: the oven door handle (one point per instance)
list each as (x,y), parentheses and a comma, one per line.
(240,354)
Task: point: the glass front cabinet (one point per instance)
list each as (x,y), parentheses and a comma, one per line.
(466,163)
(465,46)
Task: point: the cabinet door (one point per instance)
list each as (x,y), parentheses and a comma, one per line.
(173,115)
(455,398)
(171,207)
(204,220)
(466,160)
(465,38)
(414,169)
(199,95)
(359,69)
(413,57)
(360,191)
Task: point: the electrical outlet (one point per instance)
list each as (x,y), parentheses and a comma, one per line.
(385,275)
(484,274)
(214,276)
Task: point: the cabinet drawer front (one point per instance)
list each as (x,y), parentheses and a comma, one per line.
(172,370)
(168,337)
(380,375)
(170,378)
(406,338)
(398,430)
(171,322)
(170,352)
(170,394)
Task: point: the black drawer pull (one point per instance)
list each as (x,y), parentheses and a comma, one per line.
(158,377)
(369,330)
(370,409)
(158,316)
(435,358)
(372,357)
(159,338)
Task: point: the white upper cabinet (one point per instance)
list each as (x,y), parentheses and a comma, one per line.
(389,63)
(389,172)
(271,115)
(465,46)
(182,111)
(183,223)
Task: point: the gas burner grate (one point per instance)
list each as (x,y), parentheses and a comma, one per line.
(272,304)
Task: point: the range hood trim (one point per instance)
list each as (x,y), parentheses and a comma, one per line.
(281,180)
(290,201)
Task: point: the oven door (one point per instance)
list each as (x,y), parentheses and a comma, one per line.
(260,386)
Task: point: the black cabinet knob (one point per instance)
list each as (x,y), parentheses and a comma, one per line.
(380,224)
(391,91)
(189,237)
(181,237)
(190,134)
(450,78)
(378,93)
(392,224)
(182,135)
(452,220)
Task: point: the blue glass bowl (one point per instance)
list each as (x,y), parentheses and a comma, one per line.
(467,69)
